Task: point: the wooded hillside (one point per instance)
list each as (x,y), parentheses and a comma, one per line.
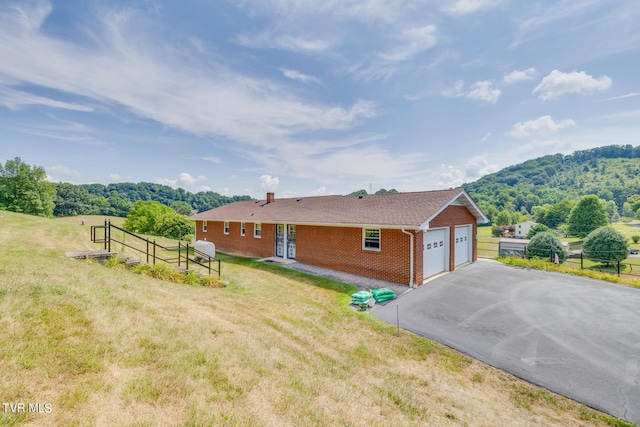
(611,173)
(117,199)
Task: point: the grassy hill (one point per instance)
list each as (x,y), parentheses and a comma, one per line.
(612,173)
(275,348)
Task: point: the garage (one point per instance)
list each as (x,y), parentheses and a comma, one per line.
(462,244)
(434,255)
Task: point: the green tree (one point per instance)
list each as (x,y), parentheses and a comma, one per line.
(385,191)
(634,202)
(606,245)
(24,189)
(546,246)
(118,205)
(558,213)
(144,215)
(174,226)
(536,229)
(612,211)
(503,218)
(71,200)
(587,215)
(489,210)
(183,208)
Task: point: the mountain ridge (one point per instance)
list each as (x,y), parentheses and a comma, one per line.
(611,172)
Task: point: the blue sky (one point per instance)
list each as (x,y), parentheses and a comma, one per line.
(312,97)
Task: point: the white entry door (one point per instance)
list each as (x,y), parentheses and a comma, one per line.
(280,240)
(291,241)
(434,254)
(462,248)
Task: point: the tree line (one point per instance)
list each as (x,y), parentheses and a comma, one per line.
(25,189)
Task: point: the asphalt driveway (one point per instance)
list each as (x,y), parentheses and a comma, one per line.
(575,336)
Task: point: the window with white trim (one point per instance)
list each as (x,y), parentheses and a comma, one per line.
(204,226)
(371,239)
(257,230)
(242,229)
(226,227)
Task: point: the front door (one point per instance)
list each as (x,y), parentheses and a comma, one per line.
(291,241)
(280,240)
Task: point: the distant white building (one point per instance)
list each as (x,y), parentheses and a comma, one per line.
(516,247)
(522,229)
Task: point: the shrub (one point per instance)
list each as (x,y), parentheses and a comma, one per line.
(546,245)
(536,229)
(635,238)
(605,244)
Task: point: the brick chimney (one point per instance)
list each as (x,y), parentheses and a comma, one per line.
(271,197)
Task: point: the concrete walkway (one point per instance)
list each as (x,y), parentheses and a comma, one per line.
(360,282)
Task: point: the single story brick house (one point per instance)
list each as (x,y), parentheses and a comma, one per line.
(400,237)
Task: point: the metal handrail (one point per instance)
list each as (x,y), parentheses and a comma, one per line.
(152,252)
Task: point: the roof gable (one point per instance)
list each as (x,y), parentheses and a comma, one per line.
(409,210)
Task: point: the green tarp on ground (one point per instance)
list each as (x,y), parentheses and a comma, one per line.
(383,294)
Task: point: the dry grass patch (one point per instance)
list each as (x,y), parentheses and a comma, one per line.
(274,348)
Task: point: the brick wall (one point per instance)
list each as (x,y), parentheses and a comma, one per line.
(234,243)
(340,248)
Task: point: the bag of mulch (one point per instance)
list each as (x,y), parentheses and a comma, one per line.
(383,294)
(360,297)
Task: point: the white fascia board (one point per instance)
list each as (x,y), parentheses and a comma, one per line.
(481,218)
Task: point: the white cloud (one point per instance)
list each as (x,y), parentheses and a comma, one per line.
(486,137)
(267,183)
(477,167)
(364,163)
(615,98)
(450,177)
(412,42)
(540,127)
(186,181)
(558,83)
(59,173)
(519,75)
(14,99)
(133,68)
(541,147)
(297,75)
(484,91)
(212,159)
(288,42)
(463,7)
(319,191)
(481,91)
(455,91)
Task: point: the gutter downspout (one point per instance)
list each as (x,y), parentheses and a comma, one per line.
(411,279)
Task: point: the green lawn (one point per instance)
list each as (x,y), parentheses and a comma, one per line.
(275,348)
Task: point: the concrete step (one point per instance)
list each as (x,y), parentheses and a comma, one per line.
(100,254)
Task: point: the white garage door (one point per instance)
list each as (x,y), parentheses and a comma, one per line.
(434,252)
(462,242)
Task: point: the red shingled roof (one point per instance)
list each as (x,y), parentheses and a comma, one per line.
(395,209)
